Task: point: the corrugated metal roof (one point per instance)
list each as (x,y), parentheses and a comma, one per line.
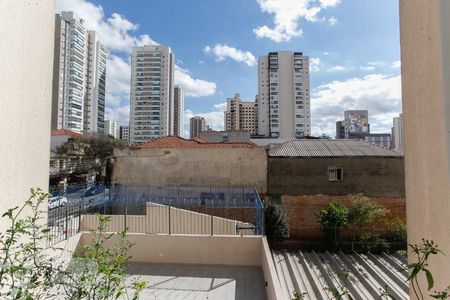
(330,148)
(363,276)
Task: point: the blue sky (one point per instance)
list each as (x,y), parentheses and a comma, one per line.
(353,44)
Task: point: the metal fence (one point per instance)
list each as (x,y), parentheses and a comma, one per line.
(158,210)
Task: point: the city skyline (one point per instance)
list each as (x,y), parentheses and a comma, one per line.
(350,68)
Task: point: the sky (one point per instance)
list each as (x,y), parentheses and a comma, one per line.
(353,45)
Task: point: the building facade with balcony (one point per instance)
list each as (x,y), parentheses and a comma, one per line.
(152,93)
(178,111)
(79,76)
(241,115)
(197,125)
(283,95)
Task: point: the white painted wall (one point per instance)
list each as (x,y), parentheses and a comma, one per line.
(26,65)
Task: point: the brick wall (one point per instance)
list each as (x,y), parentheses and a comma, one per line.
(301,212)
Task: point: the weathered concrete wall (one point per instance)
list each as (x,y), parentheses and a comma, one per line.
(375,177)
(301,212)
(425,51)
(216,167)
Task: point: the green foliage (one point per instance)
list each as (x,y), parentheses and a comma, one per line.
(385,295)
(100,271)
(94,146)
(422,253)
(340,292)
(373,243)
(332,220)
(298,295)
(27,271)
(363,212)
(398,229)
(276,223)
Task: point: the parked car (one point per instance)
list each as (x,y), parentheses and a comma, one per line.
(95,190)
(56,201)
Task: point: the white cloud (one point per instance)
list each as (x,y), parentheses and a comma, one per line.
(337,69)
(223,51)
(376,63)
(326,53)
(193,87)
(314,64)
(114,31)
(113,101)
(329,3)
(118,73)
(372,65)
(396,64)
(119,114)
(221,106)
(287,15)
(367,68)
(332,21)
(379,94)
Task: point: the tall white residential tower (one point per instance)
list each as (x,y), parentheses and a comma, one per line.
(111,128)
(69,72)
(398,132)
(94,105)
(151,102)
(79,77)
(178,122)
(283,95)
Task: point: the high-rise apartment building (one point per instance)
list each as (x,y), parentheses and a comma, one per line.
(197,125)
(69,72)
(283,95)
(241,115)
(94,105)
(79,77)
(356,124)
(124,133)
(152,93)
(178,111)
(111,128)
(340,130)
(398,132)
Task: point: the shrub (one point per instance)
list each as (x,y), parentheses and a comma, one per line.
(275,221)
(27,271)
(363,213)
(332,220)
(398,229)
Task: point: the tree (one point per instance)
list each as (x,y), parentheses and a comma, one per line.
(332,220)
(27,271)
(276,223)
(364,213)
(95,147)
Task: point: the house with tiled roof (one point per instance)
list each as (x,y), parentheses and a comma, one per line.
(173,160)
(60,136)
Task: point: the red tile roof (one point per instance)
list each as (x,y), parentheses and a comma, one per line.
(178,142)
(67,132)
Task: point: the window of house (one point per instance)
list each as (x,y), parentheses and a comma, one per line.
(335,174)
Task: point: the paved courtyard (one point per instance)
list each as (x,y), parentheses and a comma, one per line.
(179,281)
